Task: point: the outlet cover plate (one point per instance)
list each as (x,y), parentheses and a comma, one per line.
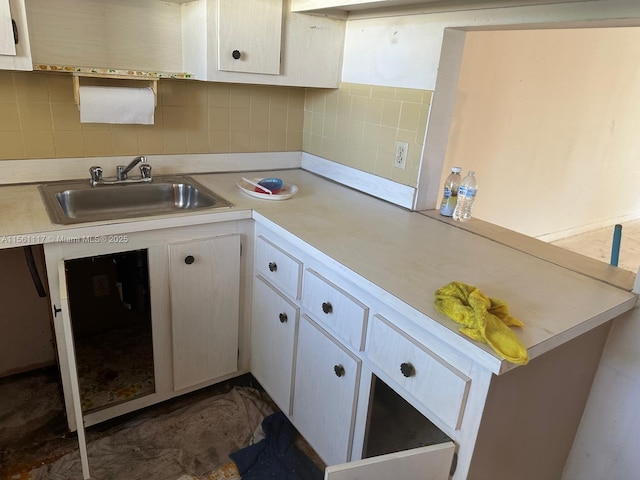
(400,157)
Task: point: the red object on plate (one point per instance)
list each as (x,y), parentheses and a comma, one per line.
(274,192)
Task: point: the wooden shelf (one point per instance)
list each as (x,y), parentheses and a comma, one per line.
(110,72)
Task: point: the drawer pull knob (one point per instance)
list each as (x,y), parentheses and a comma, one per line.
(283,317)
(339,370)
(407,370)
(327,308)
(273,266)
(189,259)
(236,54)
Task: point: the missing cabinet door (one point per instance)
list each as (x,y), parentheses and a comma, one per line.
(109,305)
(395,425)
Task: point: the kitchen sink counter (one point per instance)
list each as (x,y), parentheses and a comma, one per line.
(409,256)
(401,255)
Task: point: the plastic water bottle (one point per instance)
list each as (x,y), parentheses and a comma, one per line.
(466,195)
(448,204)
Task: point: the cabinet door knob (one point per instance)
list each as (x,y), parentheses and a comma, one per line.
(273,266)
(283,317)
(15,31)
(338,370)
(327,307)
(236,54)
(189,259)
(407,370)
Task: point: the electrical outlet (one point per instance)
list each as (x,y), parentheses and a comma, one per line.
(400,158)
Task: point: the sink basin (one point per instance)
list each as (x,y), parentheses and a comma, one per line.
(78,201)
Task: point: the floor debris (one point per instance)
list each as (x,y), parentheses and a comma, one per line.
(191,436)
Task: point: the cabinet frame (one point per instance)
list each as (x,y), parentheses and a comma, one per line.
(155,241)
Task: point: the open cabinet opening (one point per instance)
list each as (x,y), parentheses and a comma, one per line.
(395,425)
(110,311)
(399,442)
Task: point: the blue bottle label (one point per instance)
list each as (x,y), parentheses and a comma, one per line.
(466,191)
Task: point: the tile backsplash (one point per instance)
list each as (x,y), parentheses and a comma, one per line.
(355,125)
(358,126)
(39,119)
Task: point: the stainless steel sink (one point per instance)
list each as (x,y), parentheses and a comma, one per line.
(78,201)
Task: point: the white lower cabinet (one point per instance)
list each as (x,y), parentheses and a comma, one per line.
(326,384)
(204,279)
(338,404)
(193,279)
(273,334)
(440,387)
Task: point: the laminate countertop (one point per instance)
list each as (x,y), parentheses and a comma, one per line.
(407,255)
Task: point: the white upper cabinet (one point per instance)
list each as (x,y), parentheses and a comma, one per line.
(15,52)
(249,36)
(248,41)
(7,44)
(274,45)
(118,34)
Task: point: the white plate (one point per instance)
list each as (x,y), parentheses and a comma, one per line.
(287,191)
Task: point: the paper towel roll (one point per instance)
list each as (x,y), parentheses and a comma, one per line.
(116,105)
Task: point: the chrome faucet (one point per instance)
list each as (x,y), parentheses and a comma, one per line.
(122,173)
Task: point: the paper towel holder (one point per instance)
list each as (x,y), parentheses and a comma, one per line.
(112,79)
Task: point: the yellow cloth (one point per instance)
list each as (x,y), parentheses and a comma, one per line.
(484,319)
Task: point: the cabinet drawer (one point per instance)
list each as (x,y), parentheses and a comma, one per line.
(438,386)
(278,267)
(273,333)
(335,309)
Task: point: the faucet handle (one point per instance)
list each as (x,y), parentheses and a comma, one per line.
(145,170)
(121,173)
(96,174)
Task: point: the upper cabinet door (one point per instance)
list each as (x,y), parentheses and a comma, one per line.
(15,51)
(7,43)
(249,36)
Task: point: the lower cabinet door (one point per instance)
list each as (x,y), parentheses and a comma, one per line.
(326,384)
(205,305)
(273,334)
(425,463)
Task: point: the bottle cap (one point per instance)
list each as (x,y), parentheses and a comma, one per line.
(456,169)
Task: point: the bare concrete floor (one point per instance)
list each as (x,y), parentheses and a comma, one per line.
(597,244)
